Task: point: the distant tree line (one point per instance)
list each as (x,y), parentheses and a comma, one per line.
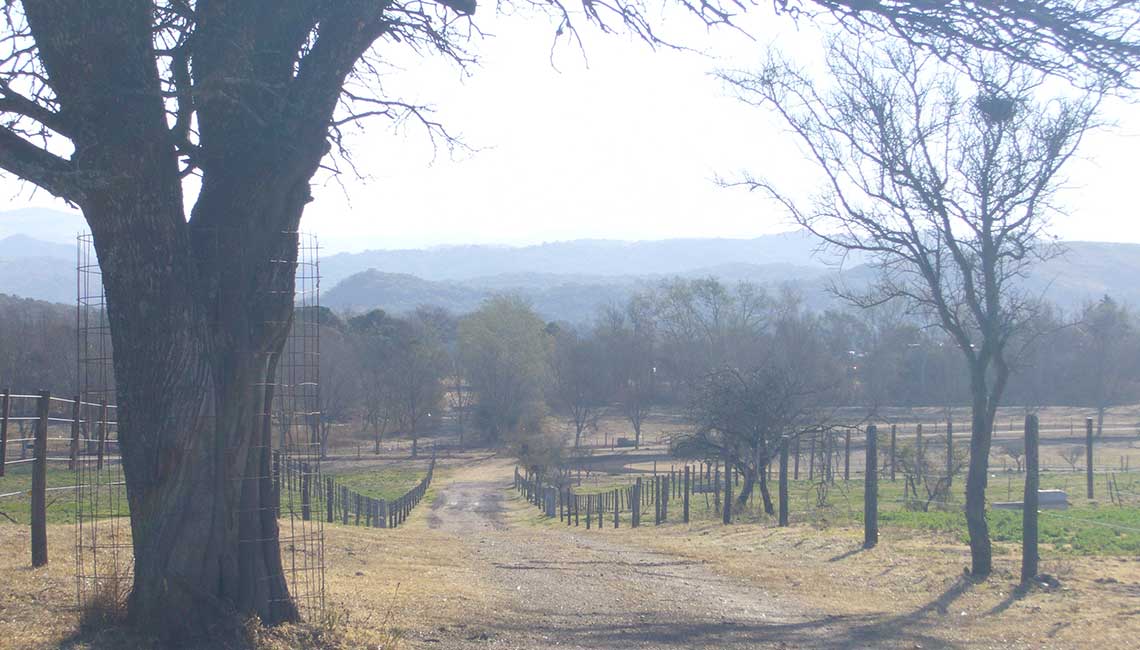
(498,372)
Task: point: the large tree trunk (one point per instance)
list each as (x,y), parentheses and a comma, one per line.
(197,327)
(981,552)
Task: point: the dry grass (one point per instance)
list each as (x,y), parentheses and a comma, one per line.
(914,580)
(382,587)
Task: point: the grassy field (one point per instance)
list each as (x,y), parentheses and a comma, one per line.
(1088,527)
(381,482)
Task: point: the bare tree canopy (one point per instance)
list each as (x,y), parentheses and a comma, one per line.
(946,187)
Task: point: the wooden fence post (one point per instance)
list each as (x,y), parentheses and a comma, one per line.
(73,451)
(1089,456)
(687,490)
(306,496)
(894,440)
(617,508)
(727,491)
(919,453)
(1029,504)
(796,462)
(102,448)
(635,505)
(5,406)
(329,495)
(811,459)
(716,487)
(847,455)
(784,481)
(39,483)
(871,490)
(949,452)
(589,511)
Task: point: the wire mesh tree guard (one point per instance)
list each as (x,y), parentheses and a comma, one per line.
(104,558)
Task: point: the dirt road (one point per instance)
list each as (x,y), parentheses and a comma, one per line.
(573,589)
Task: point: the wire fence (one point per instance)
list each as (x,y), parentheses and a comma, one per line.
(295,479)
(818,484)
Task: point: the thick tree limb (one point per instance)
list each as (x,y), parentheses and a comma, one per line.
(39,166)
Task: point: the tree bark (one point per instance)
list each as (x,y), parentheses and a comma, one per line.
(769,509)
(981,551)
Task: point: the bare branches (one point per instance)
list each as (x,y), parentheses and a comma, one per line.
(946,197)
(1095,43)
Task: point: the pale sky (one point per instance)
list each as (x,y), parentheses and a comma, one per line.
(624,148)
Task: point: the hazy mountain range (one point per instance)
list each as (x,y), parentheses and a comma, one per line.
(564,280)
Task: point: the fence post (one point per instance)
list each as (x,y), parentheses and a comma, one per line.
(306,497)
(5,404)
(894,439)
(687,488)
(919,453)
(635,504)
(716,487)
(949,452)
(784,481)
(1089,455)
(727,491)
(39,483)
(847,455)
(617,508)
(73,451)
(811,459)
(871,490)
(102,434)
(330,493)
(796,462)
(1029,504)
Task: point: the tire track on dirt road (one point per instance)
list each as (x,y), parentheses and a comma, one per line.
(569,589)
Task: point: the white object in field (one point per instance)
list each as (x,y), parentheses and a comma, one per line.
(1046,500)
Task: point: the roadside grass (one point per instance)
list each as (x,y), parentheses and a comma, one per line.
(1088,528)
(386,482)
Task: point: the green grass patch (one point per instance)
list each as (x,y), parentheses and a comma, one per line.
(61,504)
(1077,531)
(387,483)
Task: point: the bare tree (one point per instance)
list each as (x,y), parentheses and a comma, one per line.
(629,338)
(459,395)
(1109,357)
(946,191)
(576,386)
(1015,451)
(742,416)
(1073,455)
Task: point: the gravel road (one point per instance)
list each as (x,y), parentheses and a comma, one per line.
(573,589)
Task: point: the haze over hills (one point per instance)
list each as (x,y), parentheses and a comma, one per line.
(564,280)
